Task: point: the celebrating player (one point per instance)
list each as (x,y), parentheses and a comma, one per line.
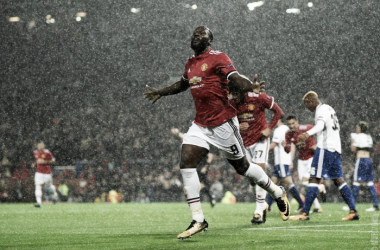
(209,74)
(361,143)
(43,159)
(283,163)
(327,159)
(305,154)
(254,130)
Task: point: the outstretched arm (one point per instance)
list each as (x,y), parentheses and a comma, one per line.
(155,94)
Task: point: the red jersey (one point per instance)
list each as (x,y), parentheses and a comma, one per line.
(44,155)
(207,75)
(252,110)
(305,150)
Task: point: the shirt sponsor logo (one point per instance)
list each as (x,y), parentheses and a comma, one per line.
(246,117)
(195,80)
(204,67)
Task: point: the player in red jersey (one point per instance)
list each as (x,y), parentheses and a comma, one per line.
(210,74)
(43,159)
(255,132)
(305,154)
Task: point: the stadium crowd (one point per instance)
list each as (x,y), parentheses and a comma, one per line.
(83,95)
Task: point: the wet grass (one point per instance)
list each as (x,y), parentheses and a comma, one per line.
(156,225)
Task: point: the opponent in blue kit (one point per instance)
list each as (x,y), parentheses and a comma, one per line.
(361,143)
(327,158)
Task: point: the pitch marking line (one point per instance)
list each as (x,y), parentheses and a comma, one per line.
(316,226)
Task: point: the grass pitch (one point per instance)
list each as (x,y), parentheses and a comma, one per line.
(156,225)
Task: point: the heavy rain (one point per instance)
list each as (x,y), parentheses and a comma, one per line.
(73,74)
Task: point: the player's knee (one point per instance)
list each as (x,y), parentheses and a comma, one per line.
(314,180)
(241,170)
(338,182)
(288,181)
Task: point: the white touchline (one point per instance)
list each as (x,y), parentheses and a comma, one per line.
(316,226)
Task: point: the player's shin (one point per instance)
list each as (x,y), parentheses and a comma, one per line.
(38,193)
(296,194)
(372,190)
(355,190)
(260,200)
(192,189)
(347,196)
(261,178)
(311,194)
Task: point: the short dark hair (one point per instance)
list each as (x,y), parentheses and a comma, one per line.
(291,117)
(282,118)
(363,126)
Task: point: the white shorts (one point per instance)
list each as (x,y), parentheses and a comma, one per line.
(225,137)
(258,152)
(304,167)
(40,179)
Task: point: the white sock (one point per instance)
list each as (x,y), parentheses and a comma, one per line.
(260,200)
(321,188)
(38,194)
(55,194)
(261,178)
(192,188)
(316,203)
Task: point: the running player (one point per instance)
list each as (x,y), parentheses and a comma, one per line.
(361,143)
(305,154)
(210,74)
(283,163)
(43,159)
(327,160)
(255,132)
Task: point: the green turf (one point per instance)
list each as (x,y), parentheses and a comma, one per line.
(156,225)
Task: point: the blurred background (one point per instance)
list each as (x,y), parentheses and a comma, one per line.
(73,75)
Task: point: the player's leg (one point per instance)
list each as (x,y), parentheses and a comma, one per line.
(356,184)
(258,154)
(316,172)
(51,187)
(304,169)
(369,178)
(38,182)
(191,156)
(255,172)
(334,171)
(270,199)
(227,138)
(293,190)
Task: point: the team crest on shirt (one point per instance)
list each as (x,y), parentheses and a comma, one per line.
(204,67)
(251,107)
(43,156)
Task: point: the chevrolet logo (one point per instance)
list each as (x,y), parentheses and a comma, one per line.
(195,80)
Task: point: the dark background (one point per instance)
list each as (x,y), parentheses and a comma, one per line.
(79,86)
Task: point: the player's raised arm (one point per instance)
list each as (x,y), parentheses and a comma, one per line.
(155,94)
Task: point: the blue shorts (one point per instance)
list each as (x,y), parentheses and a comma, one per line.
(326,164)
(363,170)
(281,171)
